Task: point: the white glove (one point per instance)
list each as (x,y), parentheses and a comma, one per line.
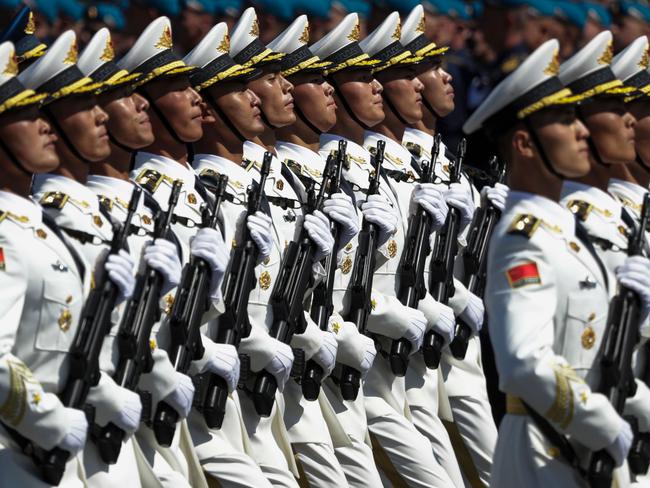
(259,225)
(354,349)
(208,244)
(326,355)
(181,398)
(317,226)
(635,274)
(75,438)
(128,419)
(222,360)
(431,197)
(162,256)
(496,195)
(621,445)
(446,323)
(280,365)
(378,210)
(459,197)
(474,312)
(121,268)
(339,208)
(417,325)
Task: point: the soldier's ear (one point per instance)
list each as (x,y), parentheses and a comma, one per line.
(522,144)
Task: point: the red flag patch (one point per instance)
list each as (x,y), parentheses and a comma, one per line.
(2,259)
(523,274)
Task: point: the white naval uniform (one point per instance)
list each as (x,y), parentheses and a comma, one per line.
(43,296)
(401,451)
(465,389)
(75,207)
(159,466)
(552,299)
(347,452)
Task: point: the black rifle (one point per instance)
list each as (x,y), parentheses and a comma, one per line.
(621,338)
(322,306)
(361,280)
(287,302)
(141,313)
(185,322)
(233,323)
(84,355)
(441,271)
(475,256)
(639,457)
(412,286)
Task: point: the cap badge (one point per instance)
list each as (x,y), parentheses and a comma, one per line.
(645,58)
(355,35)
(165,41)
(398,32)
(109,52)
(553,67)
(608,54)
(71,57)
(30,27)
(421,25)
(304,37)
(255,28)
(12,66)
(224,45)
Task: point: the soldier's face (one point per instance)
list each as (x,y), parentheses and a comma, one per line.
(404,90)
(128,118)
(180,104)
(31,140)
(612,129)
(240,105)
(362,93)
(437,91)
(640,109)
(564,138)
(276,95)
(84,123)
(314,96)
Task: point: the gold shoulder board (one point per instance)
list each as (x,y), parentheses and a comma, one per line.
(524,225)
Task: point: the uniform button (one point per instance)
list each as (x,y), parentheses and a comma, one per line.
(588,338)
(97,220)
(68,299)
(348,247)
(233,244)
(41,233)
(191,198)
(153,344)
(267,260)
(346,265)
(146,220)
(265,280)
(574,246)
(65,320)
(553,451)
(591,317)
(336,327)
(373,303)
(279,185)
(622,230)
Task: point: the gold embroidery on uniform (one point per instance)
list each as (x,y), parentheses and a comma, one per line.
(561,412)
(13,409)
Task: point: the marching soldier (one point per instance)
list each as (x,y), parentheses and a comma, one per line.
(547,286)
(45,282)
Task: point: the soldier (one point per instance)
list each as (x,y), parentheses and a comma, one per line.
(129,129)
(323,442)
(545,284)
(45,283)
(80,124)
(231,116)
(402,453)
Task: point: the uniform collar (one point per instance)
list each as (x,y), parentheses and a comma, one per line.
(355,152)
(164,165)
(627,190)
(82,197)
(20,207)
(300,154)
(395,155)
(238,177)
(551,212)
(420,139)
(606,205)
(113,188)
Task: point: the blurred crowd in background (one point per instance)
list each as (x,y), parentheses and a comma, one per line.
(487,38)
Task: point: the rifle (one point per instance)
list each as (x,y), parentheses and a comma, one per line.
(322,306)
(185,322)
(84,371)
(233,323)
(361,280)
(412,287)
(287,302)
(639,456)
(621,337)
(475,256)
(441,271)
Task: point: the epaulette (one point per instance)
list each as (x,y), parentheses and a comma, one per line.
(247,164)
(106,202)
(415,149)
(54,199)
(150,179)
(580,208)
(525,225)
(210,177)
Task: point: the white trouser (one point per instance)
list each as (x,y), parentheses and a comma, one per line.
(358,464)
(318,465)
(101,475)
